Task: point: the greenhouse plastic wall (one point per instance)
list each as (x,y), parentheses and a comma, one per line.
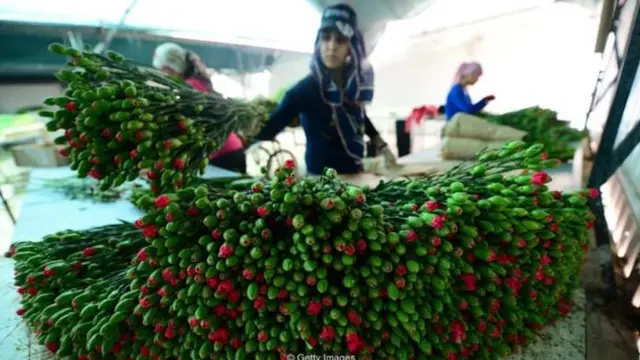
(625,222)
(615,169)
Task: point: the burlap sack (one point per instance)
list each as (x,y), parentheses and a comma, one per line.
(473,127)
(406,171)
(454,148)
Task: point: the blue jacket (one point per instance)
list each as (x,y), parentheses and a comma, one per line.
(459,101)
(324,148)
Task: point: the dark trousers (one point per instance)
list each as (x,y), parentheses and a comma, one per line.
(232,161)
(403,139)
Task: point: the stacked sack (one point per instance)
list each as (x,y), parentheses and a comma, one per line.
(465,135)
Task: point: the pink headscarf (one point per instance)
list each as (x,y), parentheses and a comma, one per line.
(467,69)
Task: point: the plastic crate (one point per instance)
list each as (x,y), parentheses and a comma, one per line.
(38,155)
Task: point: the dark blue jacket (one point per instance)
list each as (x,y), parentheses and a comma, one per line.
(324,148)
(459,101)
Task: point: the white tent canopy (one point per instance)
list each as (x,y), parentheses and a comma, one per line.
(280,24)
(442,15)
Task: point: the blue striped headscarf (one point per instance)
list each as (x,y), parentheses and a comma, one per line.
(358,90)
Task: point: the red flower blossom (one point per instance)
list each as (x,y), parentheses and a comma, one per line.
(327,333)
(354,343)
(263,336)
(262,211)
(350,250)
(259,303)
(150,231)
(142,255)
(225,287)
(431,205)
(438,222)
(411,236)
(162,201)
(361,245)
(401,270)
(225,251)
(545,260)
(354,318)
(314,308)
(469,281)
(290,164)
(540,178)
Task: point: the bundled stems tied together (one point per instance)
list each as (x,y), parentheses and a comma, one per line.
(543,127)
(120,119)
(72,282)
(468,264)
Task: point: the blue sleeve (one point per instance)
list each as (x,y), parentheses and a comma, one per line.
(369,129)
(460,100)
(477,107)
(288,109)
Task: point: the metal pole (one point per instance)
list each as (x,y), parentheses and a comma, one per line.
(6,206)
(240,70)
(101,47)
(603,167)
(602,164)
(75,39)
(604,28)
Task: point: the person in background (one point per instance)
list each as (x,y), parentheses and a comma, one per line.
(176,61)
(330,101)
(458,99)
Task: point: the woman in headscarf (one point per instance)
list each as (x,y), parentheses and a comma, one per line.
(176,61)
(458,99)
(330,100)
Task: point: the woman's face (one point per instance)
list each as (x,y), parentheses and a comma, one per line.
(334,49)
(198,63)
(472,79)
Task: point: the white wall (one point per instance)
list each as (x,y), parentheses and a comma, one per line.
(287,70)
(16,96)
(543,57)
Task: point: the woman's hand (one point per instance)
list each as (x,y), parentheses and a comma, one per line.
(389,157)
(199,64)
(381,146)
(489,98)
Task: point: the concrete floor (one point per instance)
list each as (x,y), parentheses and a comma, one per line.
(610,332)
(15,340)
(13,181)
(564,341)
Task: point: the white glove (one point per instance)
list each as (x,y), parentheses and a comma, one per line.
(389,158)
